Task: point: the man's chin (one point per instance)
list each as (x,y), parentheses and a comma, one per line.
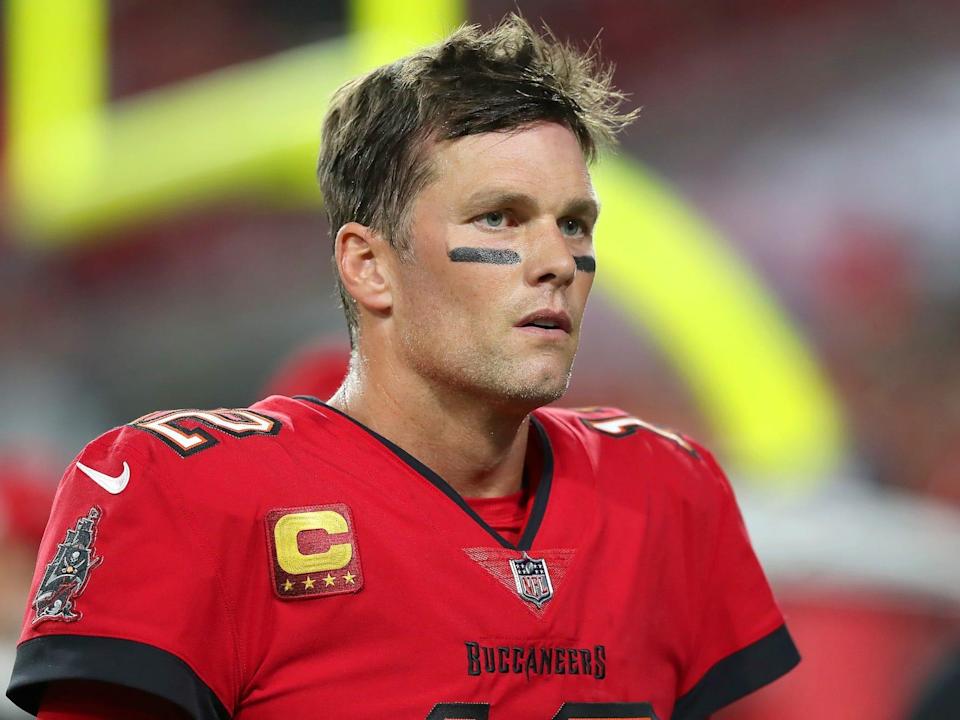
(531,395)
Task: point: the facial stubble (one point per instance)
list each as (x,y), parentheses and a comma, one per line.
(482,366)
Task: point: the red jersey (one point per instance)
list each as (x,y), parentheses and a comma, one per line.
(284,561)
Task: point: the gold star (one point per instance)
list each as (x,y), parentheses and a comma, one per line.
(348,578)
(329,580)
(308,583)
(288,586)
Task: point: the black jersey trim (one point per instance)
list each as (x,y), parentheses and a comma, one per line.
(739,674)
(581,711)
(539,501)
(539,508)
(128,663)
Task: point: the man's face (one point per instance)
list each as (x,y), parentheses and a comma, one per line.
(496,236)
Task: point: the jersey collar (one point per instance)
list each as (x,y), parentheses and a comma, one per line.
(540,498)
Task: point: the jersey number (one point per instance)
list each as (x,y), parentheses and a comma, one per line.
(171,428)
(569,711)
(625,425)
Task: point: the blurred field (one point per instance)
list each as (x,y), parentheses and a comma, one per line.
(779,268)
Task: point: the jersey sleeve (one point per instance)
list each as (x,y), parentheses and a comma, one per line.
(742,642)
(84,700)
(125,589)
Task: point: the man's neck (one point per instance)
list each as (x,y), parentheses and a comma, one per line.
(478,450)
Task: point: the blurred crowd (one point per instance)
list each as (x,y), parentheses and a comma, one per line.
(818,137)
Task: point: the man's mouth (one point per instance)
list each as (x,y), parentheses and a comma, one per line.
(548,320)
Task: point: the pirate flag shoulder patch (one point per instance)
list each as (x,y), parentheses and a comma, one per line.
(67,574)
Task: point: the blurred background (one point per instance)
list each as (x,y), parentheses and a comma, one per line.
(779,271)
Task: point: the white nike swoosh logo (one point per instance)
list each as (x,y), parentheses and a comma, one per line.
(113,485)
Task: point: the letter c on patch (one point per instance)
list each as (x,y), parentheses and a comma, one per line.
(289,527)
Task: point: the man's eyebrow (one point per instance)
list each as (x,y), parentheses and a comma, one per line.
(492,199)
(487,199)
(584,207)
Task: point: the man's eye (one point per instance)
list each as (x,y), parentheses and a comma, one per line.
(571,227)
(493,219)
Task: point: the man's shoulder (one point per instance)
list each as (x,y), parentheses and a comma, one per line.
(611,428)
(626,450)
(182,445)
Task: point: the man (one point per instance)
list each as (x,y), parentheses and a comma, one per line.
(429,543)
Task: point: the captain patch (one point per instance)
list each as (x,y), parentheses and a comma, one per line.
(313,551)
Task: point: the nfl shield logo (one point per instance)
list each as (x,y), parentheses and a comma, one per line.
(533,579)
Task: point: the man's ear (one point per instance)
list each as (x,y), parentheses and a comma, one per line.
(363,259)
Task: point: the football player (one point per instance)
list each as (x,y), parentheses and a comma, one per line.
(431,542)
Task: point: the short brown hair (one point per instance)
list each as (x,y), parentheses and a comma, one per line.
(372,163)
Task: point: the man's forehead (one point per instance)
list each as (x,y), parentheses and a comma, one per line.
(518,165)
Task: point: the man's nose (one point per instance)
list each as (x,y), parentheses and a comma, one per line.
(549,258)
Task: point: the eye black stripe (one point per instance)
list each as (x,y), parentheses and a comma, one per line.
(585,263)
(484,255)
